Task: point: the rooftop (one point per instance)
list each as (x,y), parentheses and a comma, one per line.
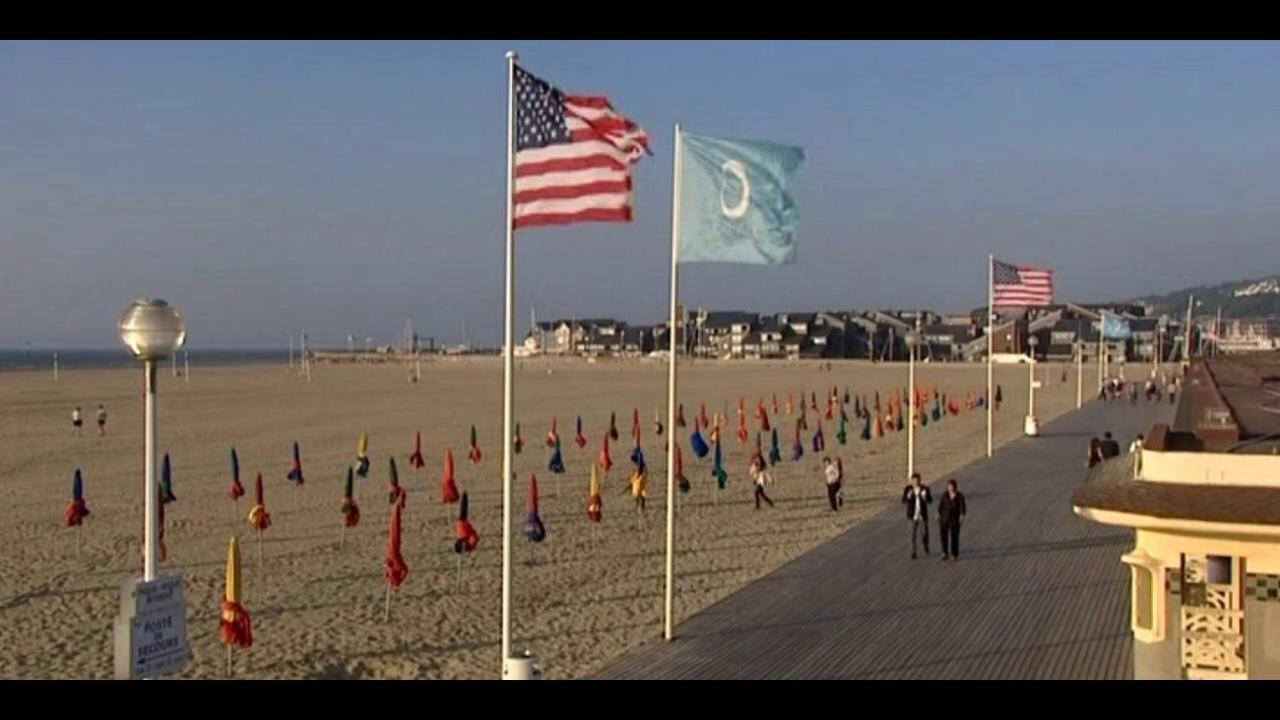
(1110,485)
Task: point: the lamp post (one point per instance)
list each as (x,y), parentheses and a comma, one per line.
(1031,426)
(152,330)
(912,339)
(1079,374)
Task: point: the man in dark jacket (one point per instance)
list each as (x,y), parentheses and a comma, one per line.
(1110,448)
(951,512)
(917,498)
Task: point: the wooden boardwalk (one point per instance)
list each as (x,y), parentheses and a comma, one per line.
(1038,592)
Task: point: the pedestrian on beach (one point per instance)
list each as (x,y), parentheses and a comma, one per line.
(1095,452)
(1133,394)
(76,420)
(760,476)
(832,473)
(1173,392)
(1110,448)
(102,420)
(917,498)
(1136,445)
(951,510)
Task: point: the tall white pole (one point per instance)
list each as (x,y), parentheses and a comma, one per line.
(669,622)
(1031,386)
(55,366)
(991,323)
(1186,344)
(151,504)
(508,366)
(1079,374)
(911,417)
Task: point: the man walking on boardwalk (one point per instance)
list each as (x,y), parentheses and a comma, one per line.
(917,498)
(951,511)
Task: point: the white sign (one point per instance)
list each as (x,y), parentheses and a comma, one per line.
(151,630)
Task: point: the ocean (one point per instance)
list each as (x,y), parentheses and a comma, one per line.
(42,359)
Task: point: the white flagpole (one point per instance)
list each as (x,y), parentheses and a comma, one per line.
(991,328)
(507,367)
(1079,373)
(669,600)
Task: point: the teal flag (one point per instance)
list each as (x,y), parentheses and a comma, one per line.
(1114,328)
(735,205)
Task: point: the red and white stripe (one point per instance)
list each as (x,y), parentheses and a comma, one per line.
(1036,288)
(588,179)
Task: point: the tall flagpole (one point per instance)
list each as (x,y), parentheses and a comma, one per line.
(507,367)
(1079,373)
(991,328)
(669,600)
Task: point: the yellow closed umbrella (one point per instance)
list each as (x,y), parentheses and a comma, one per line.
(236,628)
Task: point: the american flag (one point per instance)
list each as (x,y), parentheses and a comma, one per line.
(1018,286)
(573,156)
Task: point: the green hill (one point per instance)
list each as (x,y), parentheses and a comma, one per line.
(1239,299)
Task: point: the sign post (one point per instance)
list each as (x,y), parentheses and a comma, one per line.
(151,629)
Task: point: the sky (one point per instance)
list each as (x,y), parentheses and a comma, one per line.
(265,188)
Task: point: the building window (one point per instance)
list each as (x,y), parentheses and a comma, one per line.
(1147,587)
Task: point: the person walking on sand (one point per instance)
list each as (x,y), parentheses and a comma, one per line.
(76,420)
(102,420)
(832,473)
(760,476)
(917,498)
(951,510)
(1173,391)
(1095,452)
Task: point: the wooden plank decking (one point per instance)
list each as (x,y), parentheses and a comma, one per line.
(1038,592)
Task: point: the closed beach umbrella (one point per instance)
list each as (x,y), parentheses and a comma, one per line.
(762,415)
(395,570)
(819,440)
(580,439)
(702,416)
(474,452)
(595,503)
(682,482)
(680,416)
(237,490)
(235,624)
(533,527)
(613,427)
(553,437)
(797,449)
(657,423)
(466,537)
(517,442)
(395,493)
(718,471)
(699,445)
(259,518)
(77,511)
(295,473)
(362,455)
(166,483)
(556,463)
(775,454)
(605,461)
(415,460)
(448,487)
(350,510)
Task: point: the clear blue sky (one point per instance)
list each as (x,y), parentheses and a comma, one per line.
(342,187)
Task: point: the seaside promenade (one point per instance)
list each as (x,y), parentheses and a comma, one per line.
(1038,592)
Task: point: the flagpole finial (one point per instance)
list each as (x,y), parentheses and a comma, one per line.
(512,55)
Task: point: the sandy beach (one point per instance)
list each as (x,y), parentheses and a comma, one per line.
(317,603)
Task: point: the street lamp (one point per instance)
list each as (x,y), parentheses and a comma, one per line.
(152,330)
(1031,426)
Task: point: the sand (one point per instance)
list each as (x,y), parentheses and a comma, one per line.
(317,605)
